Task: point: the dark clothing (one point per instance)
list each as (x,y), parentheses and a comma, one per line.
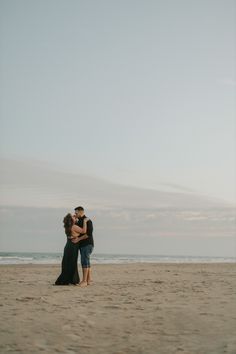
(89,240)
(69,266)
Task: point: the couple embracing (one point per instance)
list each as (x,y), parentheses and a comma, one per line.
(79,232)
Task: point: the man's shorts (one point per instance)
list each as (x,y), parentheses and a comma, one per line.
(85,253)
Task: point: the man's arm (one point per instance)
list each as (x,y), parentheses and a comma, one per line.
(87,235)
(89,228)
(79,238)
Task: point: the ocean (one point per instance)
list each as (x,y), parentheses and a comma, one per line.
(55,258)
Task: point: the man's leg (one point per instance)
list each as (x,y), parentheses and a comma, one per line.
(85,277)
(85,262)
(89,280)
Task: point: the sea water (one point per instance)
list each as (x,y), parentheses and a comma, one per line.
(96,258)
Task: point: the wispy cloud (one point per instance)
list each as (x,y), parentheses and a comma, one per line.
(24,184)
(178,187)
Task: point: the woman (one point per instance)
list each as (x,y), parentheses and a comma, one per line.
(69,273)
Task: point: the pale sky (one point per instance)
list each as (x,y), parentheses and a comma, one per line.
(136,92)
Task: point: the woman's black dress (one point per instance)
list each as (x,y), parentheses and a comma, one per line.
(69,266)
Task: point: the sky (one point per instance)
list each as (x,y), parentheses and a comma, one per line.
(137,93)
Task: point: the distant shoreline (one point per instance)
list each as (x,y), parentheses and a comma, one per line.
(56,265)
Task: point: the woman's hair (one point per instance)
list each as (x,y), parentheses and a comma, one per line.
(68,223)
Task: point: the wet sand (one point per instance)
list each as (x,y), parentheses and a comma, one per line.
(135,309)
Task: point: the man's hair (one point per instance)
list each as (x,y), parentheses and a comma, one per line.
(79,208)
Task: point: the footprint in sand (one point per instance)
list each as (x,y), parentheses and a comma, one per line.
(72,336)
(26,298)
(112,306)
(158,281)
(29,298)
(66,327)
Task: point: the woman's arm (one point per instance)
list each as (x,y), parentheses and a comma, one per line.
(79,238)
(79,230)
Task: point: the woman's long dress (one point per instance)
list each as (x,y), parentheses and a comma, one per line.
(69,266)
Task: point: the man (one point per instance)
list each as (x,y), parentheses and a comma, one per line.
(85,245)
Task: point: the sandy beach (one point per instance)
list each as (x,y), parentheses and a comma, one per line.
(136,308)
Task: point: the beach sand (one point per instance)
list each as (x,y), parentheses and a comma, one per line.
(136,308)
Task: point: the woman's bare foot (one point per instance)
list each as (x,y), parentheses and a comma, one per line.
(82,284)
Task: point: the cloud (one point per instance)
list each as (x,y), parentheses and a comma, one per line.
(27,184)
(178,187)
(133,230)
